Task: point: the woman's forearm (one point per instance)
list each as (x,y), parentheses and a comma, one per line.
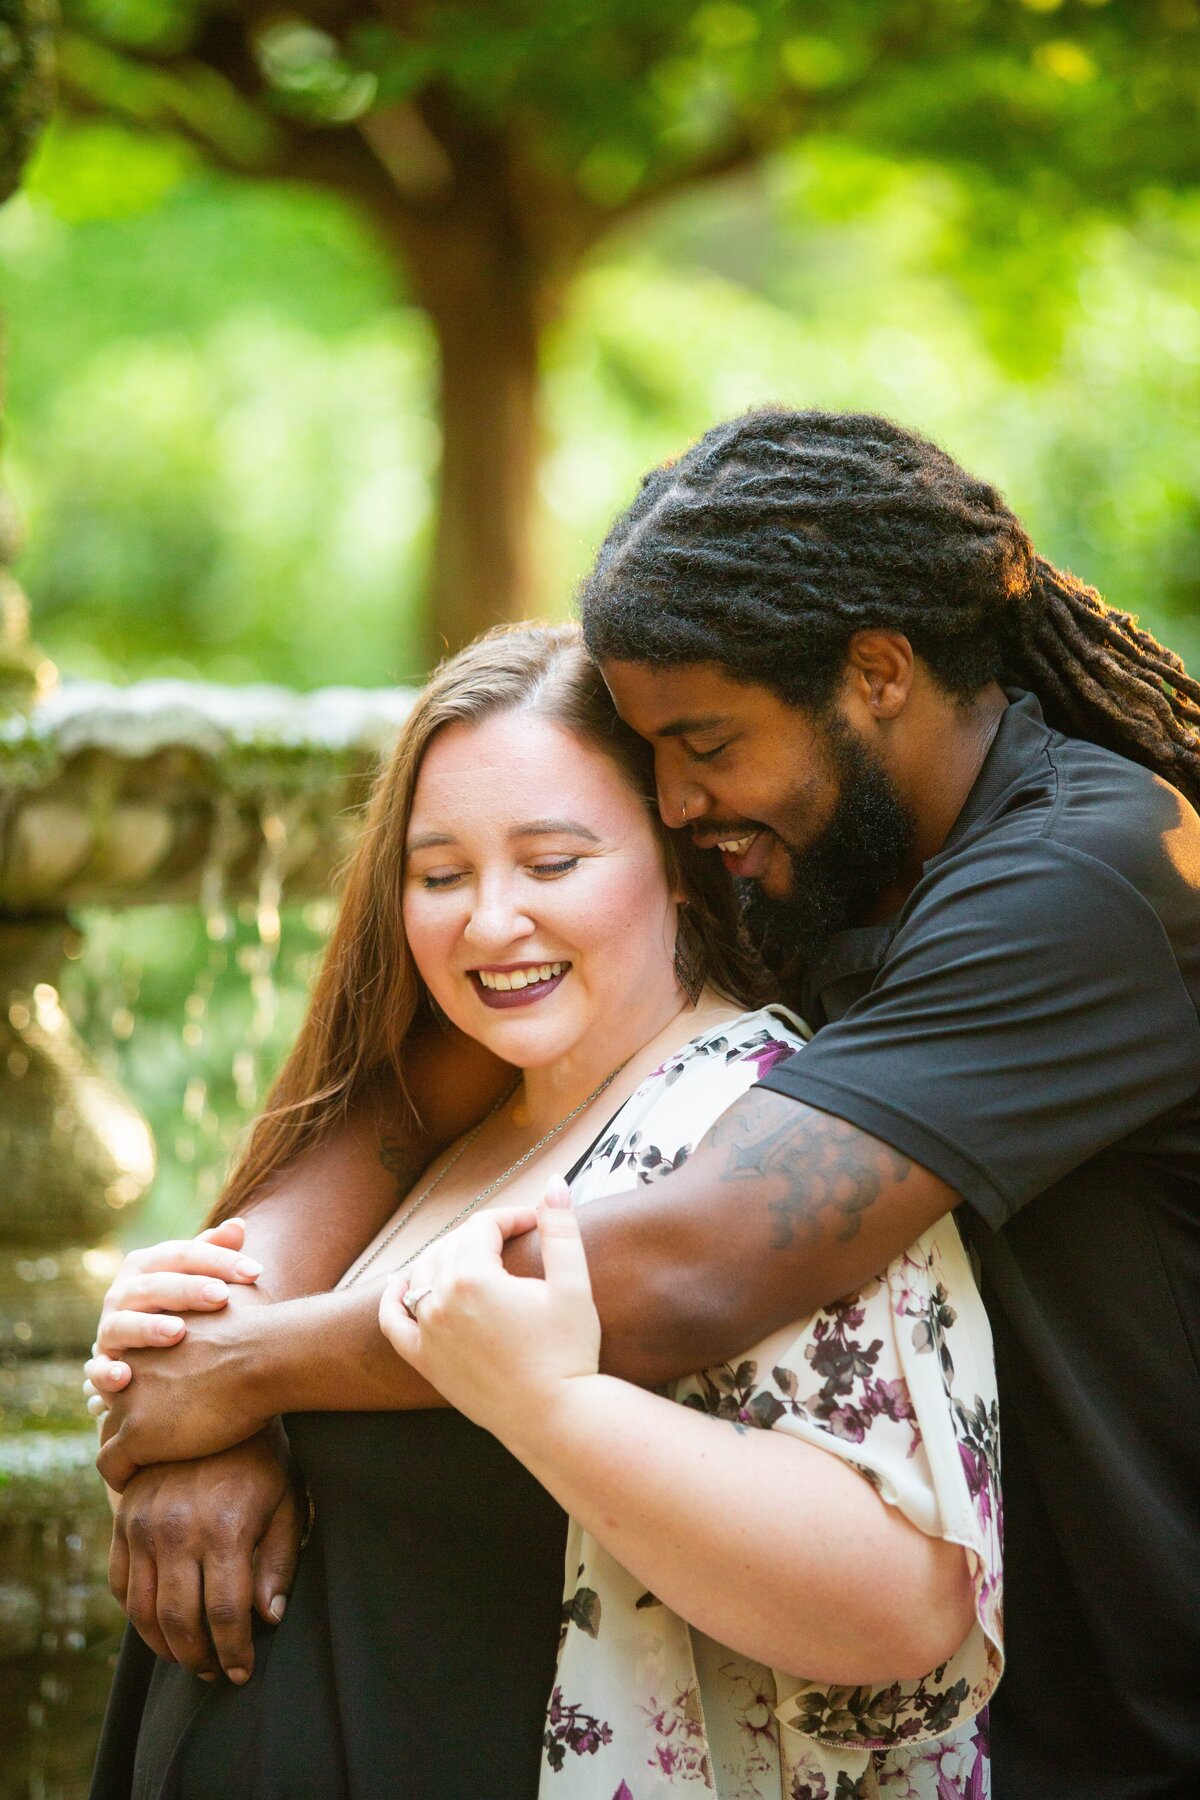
(767,1544)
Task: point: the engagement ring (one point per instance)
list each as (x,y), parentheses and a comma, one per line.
(413,1299)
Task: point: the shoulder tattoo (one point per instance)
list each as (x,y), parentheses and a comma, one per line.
(400,1161)
(823,1166)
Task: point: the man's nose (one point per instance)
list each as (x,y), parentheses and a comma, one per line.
(681,802)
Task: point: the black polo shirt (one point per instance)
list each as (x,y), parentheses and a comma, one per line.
(1026,1027)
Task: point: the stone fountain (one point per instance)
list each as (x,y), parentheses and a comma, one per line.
(114,797)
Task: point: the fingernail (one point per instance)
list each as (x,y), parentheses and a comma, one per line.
(214,1290)
(239,1677)
(169,1327)
(278,1606)
(208,1678)
(558,1194)
(247,1266)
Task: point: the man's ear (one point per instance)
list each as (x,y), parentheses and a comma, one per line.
(881,671)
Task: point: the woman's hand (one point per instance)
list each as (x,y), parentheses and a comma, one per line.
(180,1276)
(496,1346)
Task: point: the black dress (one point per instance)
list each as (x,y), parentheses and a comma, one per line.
(417,1653)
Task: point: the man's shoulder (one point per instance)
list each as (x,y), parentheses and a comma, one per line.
(1087,813)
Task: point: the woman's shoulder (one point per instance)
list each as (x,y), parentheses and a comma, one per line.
(671,1109)
(763,1037)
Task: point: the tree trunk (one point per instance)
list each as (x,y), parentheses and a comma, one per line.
(487,328)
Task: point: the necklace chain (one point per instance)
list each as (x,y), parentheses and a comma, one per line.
(418,1203)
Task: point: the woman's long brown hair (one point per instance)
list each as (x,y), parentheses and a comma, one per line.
(369,997)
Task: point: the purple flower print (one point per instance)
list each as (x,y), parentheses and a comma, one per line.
(570,1728)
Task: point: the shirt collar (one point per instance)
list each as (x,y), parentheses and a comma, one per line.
(1021,736)
(852,957)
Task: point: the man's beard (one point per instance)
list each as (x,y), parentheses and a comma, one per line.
(839,880)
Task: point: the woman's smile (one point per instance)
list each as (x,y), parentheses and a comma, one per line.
(517,984)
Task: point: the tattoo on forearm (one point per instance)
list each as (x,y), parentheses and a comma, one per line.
(823,1166)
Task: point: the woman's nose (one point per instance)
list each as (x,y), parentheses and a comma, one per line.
(496,918)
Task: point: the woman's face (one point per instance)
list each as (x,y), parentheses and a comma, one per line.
(536,899)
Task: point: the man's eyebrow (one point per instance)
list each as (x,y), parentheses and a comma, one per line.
(553,828)
(692,727)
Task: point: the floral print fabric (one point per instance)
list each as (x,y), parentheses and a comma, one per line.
(898,1381)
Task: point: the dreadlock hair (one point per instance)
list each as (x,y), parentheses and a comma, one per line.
(780,534)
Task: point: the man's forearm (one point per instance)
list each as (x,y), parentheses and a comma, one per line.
(326,1353)
(778,1211)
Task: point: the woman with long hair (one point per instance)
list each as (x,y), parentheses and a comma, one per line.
(514,880)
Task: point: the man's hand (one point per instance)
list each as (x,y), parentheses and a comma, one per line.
(189,1400)
(196,1545)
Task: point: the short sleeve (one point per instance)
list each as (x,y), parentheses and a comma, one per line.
(1030,1012)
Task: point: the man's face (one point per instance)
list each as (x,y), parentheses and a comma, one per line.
(798,803)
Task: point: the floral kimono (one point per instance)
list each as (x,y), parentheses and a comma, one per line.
(898,1381)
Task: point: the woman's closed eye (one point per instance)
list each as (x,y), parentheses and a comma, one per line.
(547,871)
(541,871)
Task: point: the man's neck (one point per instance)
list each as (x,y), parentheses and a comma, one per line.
(954,740)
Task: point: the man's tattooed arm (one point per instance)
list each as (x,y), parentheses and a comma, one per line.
(778,1210)
(828,1172)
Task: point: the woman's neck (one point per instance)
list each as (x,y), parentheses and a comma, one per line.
(549,1093)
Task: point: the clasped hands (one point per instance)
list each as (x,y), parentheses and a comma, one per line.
(195,1542)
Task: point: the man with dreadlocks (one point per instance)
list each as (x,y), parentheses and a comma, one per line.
(958,789)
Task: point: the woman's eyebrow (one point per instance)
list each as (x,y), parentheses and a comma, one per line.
(428,840)
(440,840)
(553,828)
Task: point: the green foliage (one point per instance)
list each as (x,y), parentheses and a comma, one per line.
(615,97)
(261,500)
(232,472)
(26,82)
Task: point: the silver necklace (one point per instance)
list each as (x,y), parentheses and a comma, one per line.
(418,1203)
